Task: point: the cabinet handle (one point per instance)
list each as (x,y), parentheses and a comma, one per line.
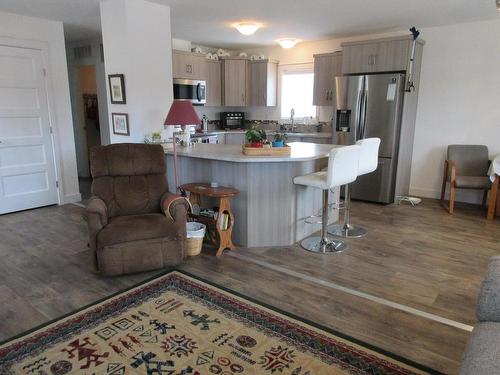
(370,60)
(327,93)
(374,59)
(243,98)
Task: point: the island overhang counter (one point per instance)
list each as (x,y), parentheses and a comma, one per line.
(269,210)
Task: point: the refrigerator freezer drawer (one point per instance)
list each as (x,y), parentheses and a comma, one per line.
(377,186)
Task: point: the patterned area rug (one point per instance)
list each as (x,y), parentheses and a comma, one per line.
(178,325)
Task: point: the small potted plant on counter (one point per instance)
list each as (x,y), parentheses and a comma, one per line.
(255,136)
(279,140)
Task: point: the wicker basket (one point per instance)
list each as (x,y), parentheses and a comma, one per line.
(195,235)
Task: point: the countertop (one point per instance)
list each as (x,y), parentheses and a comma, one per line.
(301,151)
(271,132)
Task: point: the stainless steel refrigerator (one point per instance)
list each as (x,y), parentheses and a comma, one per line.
(371,106)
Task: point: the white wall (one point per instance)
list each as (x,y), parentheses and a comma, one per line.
(137,42)
(51,33)
(459,99)
(77,103)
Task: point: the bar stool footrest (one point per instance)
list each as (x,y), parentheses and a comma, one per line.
(322,246)
(352,231)
(314,219)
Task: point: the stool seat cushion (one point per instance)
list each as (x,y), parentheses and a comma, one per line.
(317,180)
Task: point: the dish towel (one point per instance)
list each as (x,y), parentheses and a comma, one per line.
(494,168)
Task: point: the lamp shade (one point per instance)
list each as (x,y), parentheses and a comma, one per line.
(182,113)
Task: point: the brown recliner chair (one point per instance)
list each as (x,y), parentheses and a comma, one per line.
(134,223)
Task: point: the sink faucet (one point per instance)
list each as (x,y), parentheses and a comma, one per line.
(292,114)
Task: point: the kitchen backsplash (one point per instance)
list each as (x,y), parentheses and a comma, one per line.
(268,117)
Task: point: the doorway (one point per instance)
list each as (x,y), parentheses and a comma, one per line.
(89,121)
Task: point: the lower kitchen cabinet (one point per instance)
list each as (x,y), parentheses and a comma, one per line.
(235,138)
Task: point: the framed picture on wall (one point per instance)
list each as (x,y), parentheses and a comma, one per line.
(117,88)
(120,123)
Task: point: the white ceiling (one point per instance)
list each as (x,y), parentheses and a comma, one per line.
(209,21)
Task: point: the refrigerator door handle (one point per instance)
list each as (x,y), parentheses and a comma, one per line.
(363,115)
(359,108)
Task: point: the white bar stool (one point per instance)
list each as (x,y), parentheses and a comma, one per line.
(342,169)
(368,162)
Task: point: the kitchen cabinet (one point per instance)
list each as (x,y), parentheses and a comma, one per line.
(235,138)
(318,140)
(188,65)
(262,81)
(214,83)
(375,56)
(326,67)
(234,82)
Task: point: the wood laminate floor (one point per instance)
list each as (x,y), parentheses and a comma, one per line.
(418,258)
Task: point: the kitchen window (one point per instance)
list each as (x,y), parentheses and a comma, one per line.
(297,83)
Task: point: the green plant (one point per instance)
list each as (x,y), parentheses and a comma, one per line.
(280,137)
(156,135)
(255,135)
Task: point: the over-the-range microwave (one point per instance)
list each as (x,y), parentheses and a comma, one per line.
(189,89)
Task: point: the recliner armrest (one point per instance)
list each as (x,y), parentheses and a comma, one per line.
(175,206)
(97,218)
(488,307)
(96,206)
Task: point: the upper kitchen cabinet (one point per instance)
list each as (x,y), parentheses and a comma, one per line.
(262,80)
(374,56)
(234,82)
(214,83)
(326,67)
(188,65)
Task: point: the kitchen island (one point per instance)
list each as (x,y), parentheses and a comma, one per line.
(270,209)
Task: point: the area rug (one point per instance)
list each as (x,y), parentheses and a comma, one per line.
(177,324)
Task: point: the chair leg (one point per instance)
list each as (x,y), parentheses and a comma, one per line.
(493,199)
(452,199)
(443,185)
(347,230)
(485,196)
(323,244)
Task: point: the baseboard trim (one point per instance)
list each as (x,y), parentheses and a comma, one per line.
(72,198)
(465,196)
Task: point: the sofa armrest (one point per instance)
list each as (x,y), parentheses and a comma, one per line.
(97,218)
(488,307)
(175,206)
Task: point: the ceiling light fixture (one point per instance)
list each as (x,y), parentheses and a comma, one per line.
(498,5)
(247,28)
(289,42)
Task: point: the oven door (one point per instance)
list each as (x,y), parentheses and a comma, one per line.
(192,90)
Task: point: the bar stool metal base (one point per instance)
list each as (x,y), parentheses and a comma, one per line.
(352,231)
(322,246)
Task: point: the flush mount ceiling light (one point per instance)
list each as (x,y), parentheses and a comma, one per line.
(289,42)
(247,28)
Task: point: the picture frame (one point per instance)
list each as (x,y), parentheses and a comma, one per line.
(117,88)
(120,123)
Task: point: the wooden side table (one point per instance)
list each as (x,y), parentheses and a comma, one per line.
(494,202)
(222,239)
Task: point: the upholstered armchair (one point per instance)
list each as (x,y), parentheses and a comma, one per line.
(134,223)
(465,167)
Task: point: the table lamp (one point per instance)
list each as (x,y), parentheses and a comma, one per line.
(181,113)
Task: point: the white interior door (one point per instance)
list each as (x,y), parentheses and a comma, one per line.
(27,169)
